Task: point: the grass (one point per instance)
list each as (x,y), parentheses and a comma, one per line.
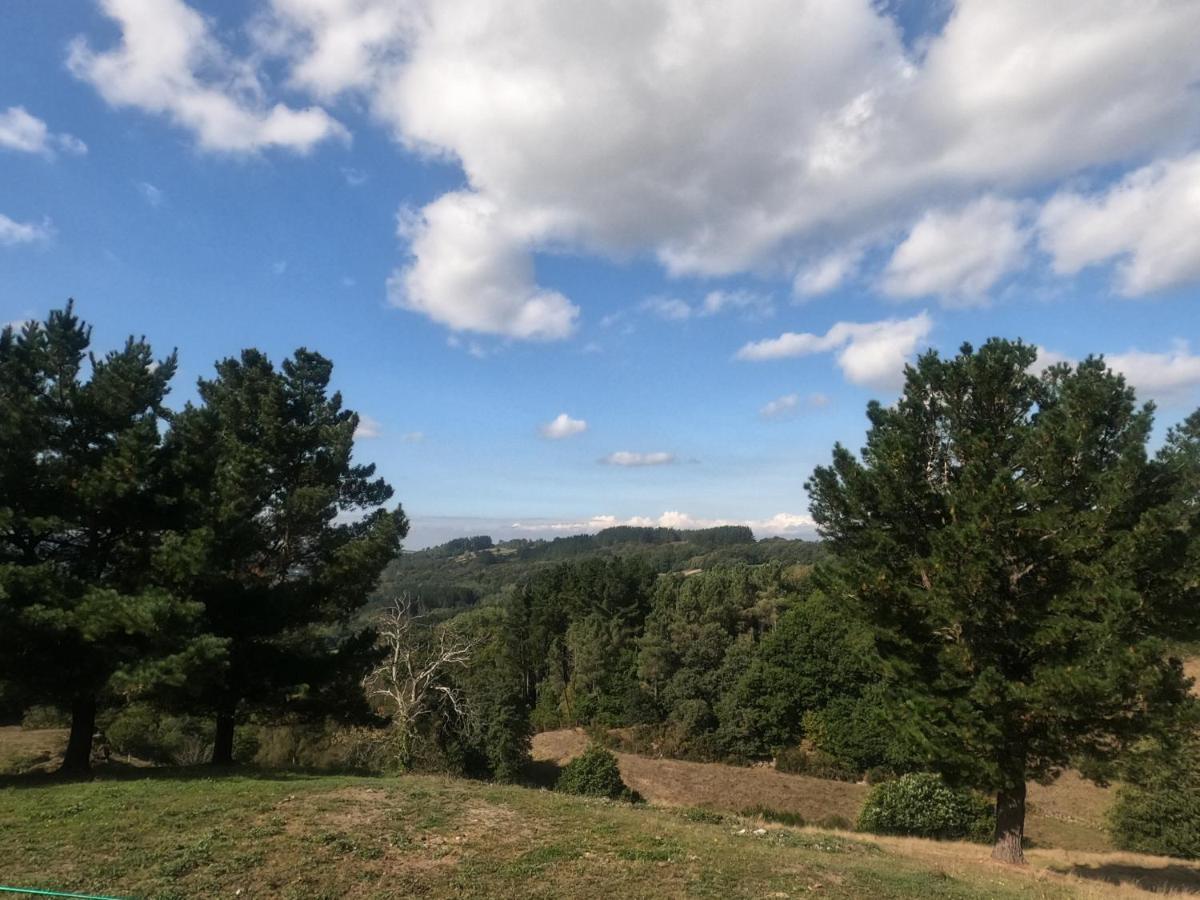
(1068,814)
(176,833)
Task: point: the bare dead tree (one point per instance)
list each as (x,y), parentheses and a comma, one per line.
(411,678)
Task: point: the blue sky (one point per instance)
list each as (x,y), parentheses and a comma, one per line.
(706,233)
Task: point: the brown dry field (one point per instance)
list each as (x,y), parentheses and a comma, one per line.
(1068,814)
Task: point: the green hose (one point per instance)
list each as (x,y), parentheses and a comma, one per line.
(36,892)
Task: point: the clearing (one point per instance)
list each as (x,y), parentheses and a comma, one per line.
(178,833)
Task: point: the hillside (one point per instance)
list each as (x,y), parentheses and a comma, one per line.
(467,571)
(180,834)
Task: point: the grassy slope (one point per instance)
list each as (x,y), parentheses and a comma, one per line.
(1068,814)
(172,834)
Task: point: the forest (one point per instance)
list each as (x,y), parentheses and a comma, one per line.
(1007,577)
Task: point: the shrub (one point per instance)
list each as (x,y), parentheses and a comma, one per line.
(594,774)
(1161,813)
(922,805)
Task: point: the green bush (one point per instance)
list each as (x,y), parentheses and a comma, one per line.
(594,774)
(1161,814)
(922,805)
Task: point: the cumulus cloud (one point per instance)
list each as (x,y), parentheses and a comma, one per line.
(789,404)
(778,525)
(367,428)
(13,232)
(26,133)
(1168,376)
(629,458)
(471,270)
(562,426)
(1148,222)
(826,274)
(722,138)
(169,63)
(868,353)
(958,255)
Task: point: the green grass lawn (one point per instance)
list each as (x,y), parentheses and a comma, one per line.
(176,834)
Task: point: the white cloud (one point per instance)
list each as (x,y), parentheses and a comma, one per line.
(778,525)
(723,138)
(22,131)
(151,194)
(367,428)
(562,426)
(1149,222)
(1166,376)
(789,404)
(826,274)
(472,272)
(960,254)
(413,437)
(869,353)
(670,308)
(751,304)
(169,63)
(13,232)
(629,458)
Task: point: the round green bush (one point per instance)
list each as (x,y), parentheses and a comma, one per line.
(922,805)
(594,774)
(1161,815)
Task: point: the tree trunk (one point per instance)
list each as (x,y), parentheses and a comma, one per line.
(1010,825)
(223,740)
(78,758)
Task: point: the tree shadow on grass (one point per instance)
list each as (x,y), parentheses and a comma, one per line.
(1156,879)
(541,773)
(117,771)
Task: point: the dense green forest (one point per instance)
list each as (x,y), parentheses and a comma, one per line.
(1006,570)
(472,570)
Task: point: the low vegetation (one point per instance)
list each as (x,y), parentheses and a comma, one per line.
(175,834)
(922,805)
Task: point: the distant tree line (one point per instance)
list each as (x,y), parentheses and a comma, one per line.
(210,560)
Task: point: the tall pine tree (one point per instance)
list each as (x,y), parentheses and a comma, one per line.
(82,524)
(282,538)
(1019,556)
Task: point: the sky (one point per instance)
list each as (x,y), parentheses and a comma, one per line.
(589,262)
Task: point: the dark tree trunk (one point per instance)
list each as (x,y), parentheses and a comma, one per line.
(78,758)
(223,740)
(1010,825)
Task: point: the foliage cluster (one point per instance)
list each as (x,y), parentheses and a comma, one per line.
(1158,809)
(920,804)
(208,560)
(594,773)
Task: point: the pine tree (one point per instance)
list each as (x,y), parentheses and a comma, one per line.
(994,531)
(283,538)
(82,527)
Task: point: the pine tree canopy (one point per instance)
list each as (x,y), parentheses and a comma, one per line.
(1021,557)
